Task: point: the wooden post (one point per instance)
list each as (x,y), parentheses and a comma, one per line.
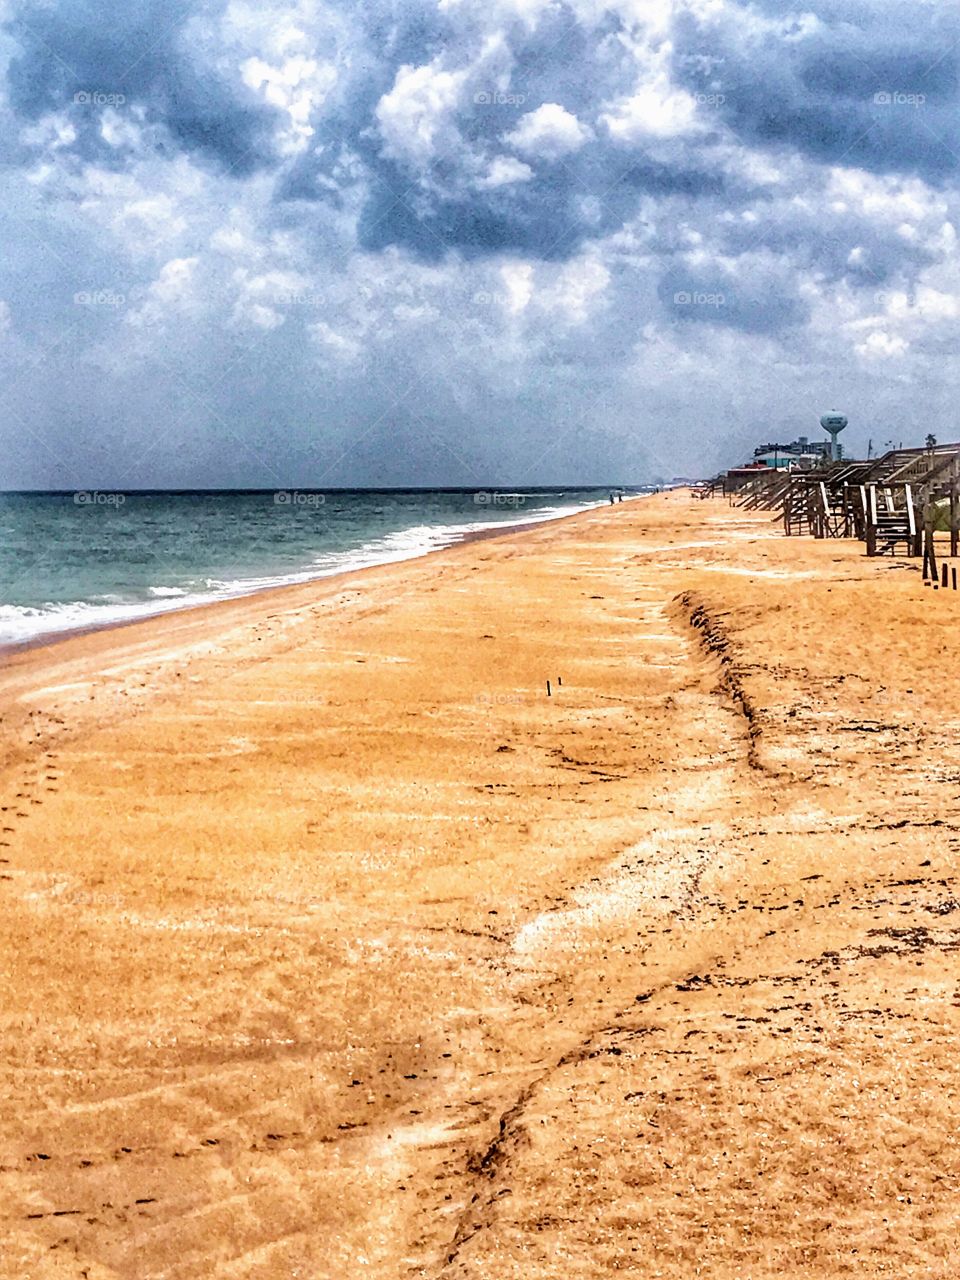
(929,565)
(954,516)
(930,556)
(928,521)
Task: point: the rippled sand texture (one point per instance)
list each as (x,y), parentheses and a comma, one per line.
(333,947)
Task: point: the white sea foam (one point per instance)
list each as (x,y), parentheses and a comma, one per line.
(21,624)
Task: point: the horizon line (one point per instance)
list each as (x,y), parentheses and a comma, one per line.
(306,488)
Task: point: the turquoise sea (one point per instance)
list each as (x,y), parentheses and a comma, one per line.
(77,560)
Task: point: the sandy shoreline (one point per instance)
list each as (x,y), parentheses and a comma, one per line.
(333,946)
(46,638)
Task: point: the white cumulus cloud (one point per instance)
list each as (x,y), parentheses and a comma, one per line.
(416,116)
(549,132)
(503,172)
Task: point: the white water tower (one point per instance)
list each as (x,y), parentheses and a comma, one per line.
(833,424)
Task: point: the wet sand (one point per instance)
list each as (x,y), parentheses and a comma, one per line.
(332,946)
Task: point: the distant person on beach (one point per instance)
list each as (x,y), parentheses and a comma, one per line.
(611,499)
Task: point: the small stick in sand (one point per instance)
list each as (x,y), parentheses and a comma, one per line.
(549,694)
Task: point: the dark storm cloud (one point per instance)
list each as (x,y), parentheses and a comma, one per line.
(819,240)
(520,214)
(549,218)
(431,205)
(865,85)
(860,85)
(869,85)
(752,300)
(77,56)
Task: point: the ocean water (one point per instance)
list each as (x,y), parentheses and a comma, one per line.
(72,560)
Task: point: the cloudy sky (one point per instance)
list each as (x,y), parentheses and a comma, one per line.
(469,241)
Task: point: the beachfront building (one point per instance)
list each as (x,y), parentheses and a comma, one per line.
(798,455)
(738,478)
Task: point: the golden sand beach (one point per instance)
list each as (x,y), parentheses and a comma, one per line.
(333,947)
